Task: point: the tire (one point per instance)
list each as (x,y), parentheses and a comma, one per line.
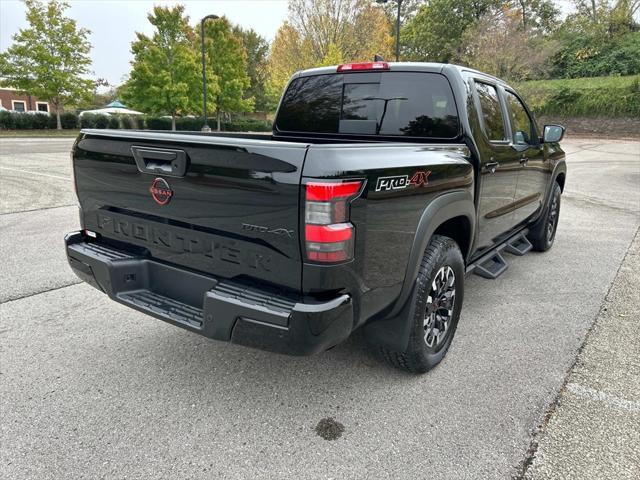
(543,232)
(441,265)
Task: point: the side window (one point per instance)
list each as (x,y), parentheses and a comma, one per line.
(521,124)
(491,111)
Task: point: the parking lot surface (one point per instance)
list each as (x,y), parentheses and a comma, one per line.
(92,389)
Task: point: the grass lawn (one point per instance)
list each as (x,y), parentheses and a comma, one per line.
(589,97)
(38,133)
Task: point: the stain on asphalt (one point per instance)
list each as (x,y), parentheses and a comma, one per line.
(329,428)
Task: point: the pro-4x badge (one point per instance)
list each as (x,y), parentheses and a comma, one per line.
(398,182)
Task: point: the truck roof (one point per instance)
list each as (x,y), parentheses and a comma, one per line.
(430,67)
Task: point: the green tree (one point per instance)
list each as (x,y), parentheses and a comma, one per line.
(408,10)
(226,59)
(166,74)
(435,32)
(50,58)
(538,15)
(600,38)
(256,48)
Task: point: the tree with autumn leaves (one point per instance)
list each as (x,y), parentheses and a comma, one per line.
(326,32)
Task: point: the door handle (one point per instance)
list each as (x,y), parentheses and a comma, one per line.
(524,161)
(168,162)
(491,167)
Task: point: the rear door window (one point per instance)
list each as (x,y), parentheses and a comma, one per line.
(390,104)
(522,127)
(492,116)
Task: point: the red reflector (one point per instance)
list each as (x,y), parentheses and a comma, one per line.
(353,67)
(320,192)
(328,233)
(338,256)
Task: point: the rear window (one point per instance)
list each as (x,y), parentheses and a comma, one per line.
(389,103)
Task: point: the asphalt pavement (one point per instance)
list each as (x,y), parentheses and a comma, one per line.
(92,389)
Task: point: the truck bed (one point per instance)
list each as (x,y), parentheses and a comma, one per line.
(177,223)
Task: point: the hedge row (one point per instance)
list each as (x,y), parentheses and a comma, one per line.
(35,121)
(584,97)
(69,120)
(194,124)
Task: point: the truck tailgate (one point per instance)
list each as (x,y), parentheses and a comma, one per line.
(223,206)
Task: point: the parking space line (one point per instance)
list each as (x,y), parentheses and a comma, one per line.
(38,209)
(33,294)
(606,398)
(36,173)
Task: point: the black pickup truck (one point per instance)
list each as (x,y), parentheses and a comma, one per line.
(381,186)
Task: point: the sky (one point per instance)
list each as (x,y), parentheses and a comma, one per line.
(113,24)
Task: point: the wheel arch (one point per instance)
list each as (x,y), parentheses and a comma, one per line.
(451,214)
(560,178)
(559,175)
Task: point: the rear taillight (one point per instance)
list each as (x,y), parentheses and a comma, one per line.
(329,237)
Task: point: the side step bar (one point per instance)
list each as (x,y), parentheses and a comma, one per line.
(492,267)
(519,245)
(492,264)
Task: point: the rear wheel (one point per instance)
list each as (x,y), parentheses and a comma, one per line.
(543,233)
(437,300)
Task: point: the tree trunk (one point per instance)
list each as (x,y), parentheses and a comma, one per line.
(58,122)
(218,114)
(173,122)
(594,10)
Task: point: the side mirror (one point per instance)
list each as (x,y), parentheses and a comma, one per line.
(552,133)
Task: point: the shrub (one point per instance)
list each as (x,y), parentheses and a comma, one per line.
(191,124)
(158,123)
(127,122)
(246,124)
(36,121)
(194,124)
(52,122)
(40,120)
(88,120)
(589,55)
(114,122)
(22,121)
(69,120)
(6,120)
(102,121)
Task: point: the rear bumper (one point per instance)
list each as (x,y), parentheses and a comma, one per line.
(209,306)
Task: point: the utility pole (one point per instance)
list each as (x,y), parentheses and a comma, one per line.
(399,2)
(205,126)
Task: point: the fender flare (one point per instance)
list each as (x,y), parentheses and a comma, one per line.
(391,329)
(559,168)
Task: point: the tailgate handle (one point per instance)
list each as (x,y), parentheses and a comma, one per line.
(160,161)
